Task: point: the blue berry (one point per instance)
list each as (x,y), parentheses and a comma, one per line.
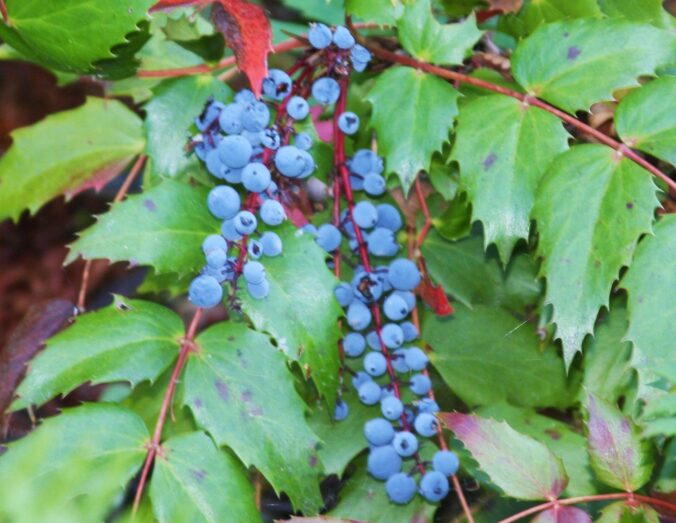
(420,384)
(245,96)
(213,242)
(405,443)
(391,407)
(359,379)
(254,249)
(416,359)
(360,54)
(354,344)
(403,274)
(326,90)
(381,242)
(309,167)
(230,175)
(434,486)
(366,287)
(343,293)
(369,393)
(365,214)
(272,212)
(446,462)
(388,217)
(341,411)
(365,161)
(298,108)
(229,231)
(392,336)
(259,290)
(358,316)
(308,228)
(400,488)
(410,330)
(270,138)
(205,291)
(253,272)
(378,432)
(223,202)
(426,424)
(319,36)
(277,85)
(375,364)
(303,141)
(289,161)
(343,38)
(272,244)
(209,115)
(374,184)
(395,308)
(383,462)
(256,116)
(348,122)
(256,177)
(428,405)
(230,118)
(234,151)
(399,360)
(254,138)
(214,163)
(408,297)
(245,222)
(328,237)
(216,258)
(373,340)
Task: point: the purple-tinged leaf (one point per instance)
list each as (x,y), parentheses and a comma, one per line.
(521,466)
(563,515)
(619,456)
(621,512)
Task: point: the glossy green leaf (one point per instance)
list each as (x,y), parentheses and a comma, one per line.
(413,120)
(619,456)
(560,438)
(66,153)
(428,40)
(486,355)
(522,467)
(70,35)
(646,119)
(197,482)
(73,468)
(621,512)
(131,340)
(300,311)
(501,176)
(651,11)
(364,499)
(170,116)
(475,277)
(163,227)
(576,63)
(535,13)
(240,390)
(383,12)
(585,243)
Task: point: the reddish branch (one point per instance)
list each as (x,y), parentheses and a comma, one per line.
(629,496)
(622,149)
(121,193)
(3,11)
(187,346)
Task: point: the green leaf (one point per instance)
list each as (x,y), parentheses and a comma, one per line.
(428,40)
(413,120)
(364,499)
(383,12)
(170,116)
(501,176)
(609,203)
(163,227)
(621,512)
(456,221)
(327,11)
(74,467)
(66,153)
(485,355)
(538,12)
(240,390)
(521,466)
(619,456)
(576,63)
(475,277)
(567,445)
(131,340)
(651,11)
(71,35)
(646,119)
(300,312)
(197,482)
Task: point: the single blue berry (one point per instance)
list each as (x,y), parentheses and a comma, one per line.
(343,38)
(378,432)
(400,488)
(375,364)
(446,462)
(245,222)
(272,244)
(205,292)
(298,108)
(383,462)
(319,36)
(277,85)
(326,90)
(354,344)
(369,393)
(416,359)
(405,443)
(341,411)
(391,407)
(272,212)
(348,122)
(420,384)
(434,486)
(426,424)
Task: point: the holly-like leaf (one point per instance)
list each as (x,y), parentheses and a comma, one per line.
(66,153)
(428,40)
(576,63)
(240,390)
(621,512)
(475,277)
(163,227)
(195,481)
(562,515)
(501,175)
(413,120)
(75,465)
(521,466)
(535,13)
(484,345)
(364,499)
(585,243)
(170,116)
(131,340)
(646,119)
(383,12)
(246,30)
(71,36)
(560,438)
(619,456)
(651,11)
(300,312)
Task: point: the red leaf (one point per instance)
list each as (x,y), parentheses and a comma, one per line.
(435,297)
(246,30)
(563,514)
(99,178)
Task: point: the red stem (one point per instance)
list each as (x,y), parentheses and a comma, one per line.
(3,10)
(583,499)
(187,346)
(622,149)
